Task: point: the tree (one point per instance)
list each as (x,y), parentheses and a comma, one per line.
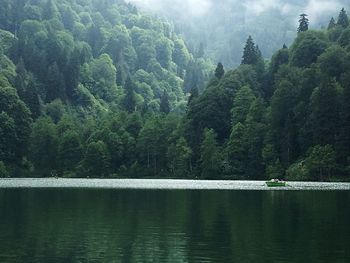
(237,151)
(31,98)
(241,105)
(43,146)
(69,151)
(179,155)
(219,71)
(17,123)
(332,24)
(164,103)
(343,19)
(319,164)
(251,53)
(3,170)
(7,138)
(307,48)
(303,23)
(325,110)
(129,102)
(97,159)
(55,84)
(210,155)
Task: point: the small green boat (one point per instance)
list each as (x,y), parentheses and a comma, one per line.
(275,183)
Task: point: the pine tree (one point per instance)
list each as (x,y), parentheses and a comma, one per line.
(303,23)
(164,103)
(219,71)
(343,19)
(332,23)
(129,101)
(250,55)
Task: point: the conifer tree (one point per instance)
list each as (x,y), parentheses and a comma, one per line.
(129,102)
(303,23)
(164,103)
(343,19)
(219,71)
(332,23)
(250,56)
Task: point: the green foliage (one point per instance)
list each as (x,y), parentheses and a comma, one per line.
(219,71)
(16,125)
(69,151)
(97,159)
(241,104)
(210,156)
(3,171)
(43,147)
(179,155)
(319,165)
(324,117)
(129,101)
(307,47)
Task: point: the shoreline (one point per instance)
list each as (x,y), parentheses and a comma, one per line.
(162,184)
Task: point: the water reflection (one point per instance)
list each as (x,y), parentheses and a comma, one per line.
(173,226)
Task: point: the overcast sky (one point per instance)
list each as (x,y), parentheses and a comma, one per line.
(314,8)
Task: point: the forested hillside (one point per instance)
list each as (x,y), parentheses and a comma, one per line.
(72,64)
(96,89)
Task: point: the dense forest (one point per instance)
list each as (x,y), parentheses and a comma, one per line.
(97,89)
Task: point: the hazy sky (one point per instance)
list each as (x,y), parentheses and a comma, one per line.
(315,8)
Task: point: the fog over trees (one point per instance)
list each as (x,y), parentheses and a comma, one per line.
(224,25)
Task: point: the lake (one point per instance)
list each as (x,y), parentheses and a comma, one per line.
(54,220)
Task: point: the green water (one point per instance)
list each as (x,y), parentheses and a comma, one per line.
(174,226)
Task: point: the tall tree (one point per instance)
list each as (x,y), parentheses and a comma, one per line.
(129,101)
(219,71)
(164,103)
(97,159)
(325,110)
(303,23)
(343,19)
(55,84)
(210,155)
(332,23)
(250,53)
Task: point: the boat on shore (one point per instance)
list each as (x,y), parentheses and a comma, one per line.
(275,183)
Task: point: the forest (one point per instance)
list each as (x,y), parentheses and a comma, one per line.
(96,88)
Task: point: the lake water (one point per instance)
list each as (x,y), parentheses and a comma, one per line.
(53,223)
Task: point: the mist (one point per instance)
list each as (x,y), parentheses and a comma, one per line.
(223,26)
